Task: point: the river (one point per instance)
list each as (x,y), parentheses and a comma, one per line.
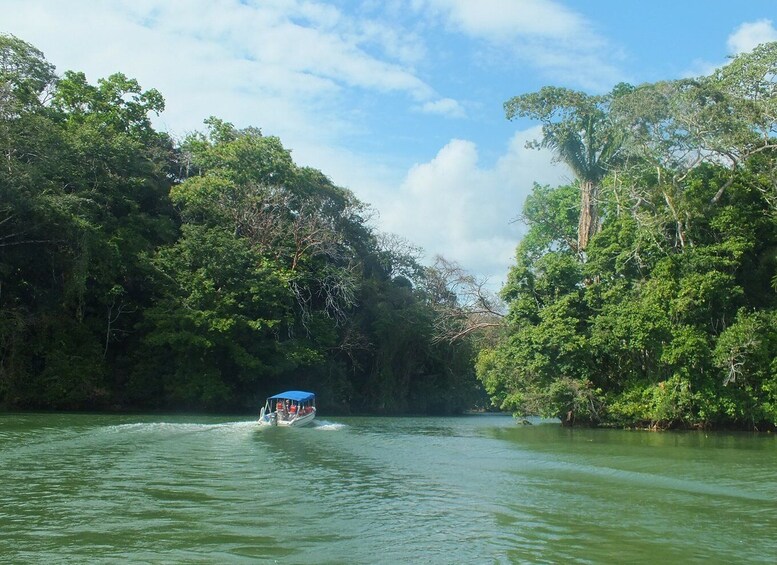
(478,489)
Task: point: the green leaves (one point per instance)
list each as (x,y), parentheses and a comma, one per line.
(24,75)
(117,103)
(665,322)
(219,309)
(241,156)
(678,285)
(138,273)
(83,196)
(578,129)
(575,126)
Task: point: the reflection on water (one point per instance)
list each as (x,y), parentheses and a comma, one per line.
(480,489)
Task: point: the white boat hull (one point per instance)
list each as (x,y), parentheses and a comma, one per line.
(271,419)
(298,421)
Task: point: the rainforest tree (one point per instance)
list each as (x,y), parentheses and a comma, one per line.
(84,195)
(138,272)
(666,319)
(577,128)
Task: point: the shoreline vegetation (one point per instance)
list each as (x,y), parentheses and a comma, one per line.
(645,293)
(143,273)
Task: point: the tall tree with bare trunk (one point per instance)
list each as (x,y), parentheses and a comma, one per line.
(576,127)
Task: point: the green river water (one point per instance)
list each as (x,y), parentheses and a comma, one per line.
(476,489)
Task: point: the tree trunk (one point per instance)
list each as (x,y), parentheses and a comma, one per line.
(589,217)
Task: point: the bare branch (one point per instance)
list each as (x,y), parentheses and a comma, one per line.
(463,303)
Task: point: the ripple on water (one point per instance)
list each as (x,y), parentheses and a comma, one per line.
(380,490)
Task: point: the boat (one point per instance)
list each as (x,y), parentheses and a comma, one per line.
(292,409)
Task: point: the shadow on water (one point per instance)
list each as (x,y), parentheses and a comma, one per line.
(643,497)
(662,458)
(553,435)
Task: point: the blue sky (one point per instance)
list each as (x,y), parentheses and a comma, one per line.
(398,100)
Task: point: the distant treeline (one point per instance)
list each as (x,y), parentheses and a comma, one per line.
(140,272)
(645,294)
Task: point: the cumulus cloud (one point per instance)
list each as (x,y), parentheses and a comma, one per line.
(455,207)
(750,35)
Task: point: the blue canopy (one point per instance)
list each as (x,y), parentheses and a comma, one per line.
(297,395)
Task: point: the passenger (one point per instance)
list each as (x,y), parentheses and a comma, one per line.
(293,410)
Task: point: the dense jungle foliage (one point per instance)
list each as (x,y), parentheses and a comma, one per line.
(645,293)
(142,272)
(137,272)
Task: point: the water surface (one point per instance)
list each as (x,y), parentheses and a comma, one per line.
(478,489)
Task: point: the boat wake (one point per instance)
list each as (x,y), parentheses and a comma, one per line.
(185,428)
(182,427)
(327,426)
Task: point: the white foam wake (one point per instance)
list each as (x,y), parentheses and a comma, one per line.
(327,426)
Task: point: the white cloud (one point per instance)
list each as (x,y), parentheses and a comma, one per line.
(290,68)
(454,207)
(505,19)
(398,44)
(284,64)
(751,34)
(556,41)
(742,40)
(444,107)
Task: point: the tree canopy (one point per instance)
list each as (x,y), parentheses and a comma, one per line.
(577,128)
(670,317)
(138,272)
(142,272)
